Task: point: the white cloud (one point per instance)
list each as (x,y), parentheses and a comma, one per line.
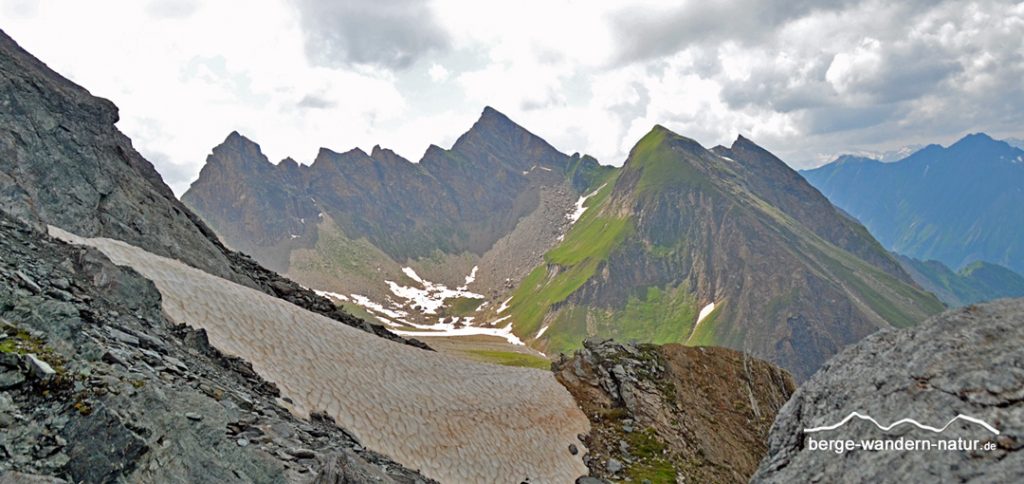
(438,73)
(805,81)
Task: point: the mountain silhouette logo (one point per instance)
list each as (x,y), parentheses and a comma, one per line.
(852,415)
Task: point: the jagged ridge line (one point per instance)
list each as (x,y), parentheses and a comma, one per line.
(903,421)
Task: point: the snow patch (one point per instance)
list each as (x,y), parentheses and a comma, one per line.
(542,330)
(449,329)
(470,278)
(366,303)
(412,274)
(496,321)
(504,305)
(331,295)
(705,312)
(431,296)
(575,215)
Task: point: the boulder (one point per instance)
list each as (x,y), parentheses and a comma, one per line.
(961,371)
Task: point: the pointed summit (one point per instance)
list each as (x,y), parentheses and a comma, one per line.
(981,143)
(237,141)
(493,124)
(386,155)
(490,112)
(494,139)
(660,134)
(663,160)
(746,143)
(238,152)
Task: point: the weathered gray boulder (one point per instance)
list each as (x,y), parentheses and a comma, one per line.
(965,362)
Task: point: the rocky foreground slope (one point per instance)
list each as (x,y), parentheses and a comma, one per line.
(115,392)
(968,362)
(673,413)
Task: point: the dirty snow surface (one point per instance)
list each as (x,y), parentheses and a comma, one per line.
(453,419)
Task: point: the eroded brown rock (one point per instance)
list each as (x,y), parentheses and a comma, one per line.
(673,413)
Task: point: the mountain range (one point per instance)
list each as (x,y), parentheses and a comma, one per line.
(135,346)
(683,244)
(958,204)
(974,283)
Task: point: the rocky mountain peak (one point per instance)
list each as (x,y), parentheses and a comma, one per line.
(744,142)
(981,145)
(239,152)
(679,141)
(327,157)
(496,139)
(386,155)
(663,159)
(854,159)
(288,163)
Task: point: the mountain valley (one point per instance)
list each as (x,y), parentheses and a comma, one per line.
(496,311)
(680,245)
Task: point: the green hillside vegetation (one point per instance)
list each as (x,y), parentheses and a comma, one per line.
(660,316)
(663,169)
(660,167)
(568,265)
(509,358)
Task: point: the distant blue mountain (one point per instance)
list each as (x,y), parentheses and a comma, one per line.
(957,205)
(974,283)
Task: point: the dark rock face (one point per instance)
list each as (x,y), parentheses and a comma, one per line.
(131,398)
(770,179)
(672,413)
(64,163)
(453,201)
(967,361)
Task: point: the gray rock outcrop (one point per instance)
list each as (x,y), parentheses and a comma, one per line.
(968,362)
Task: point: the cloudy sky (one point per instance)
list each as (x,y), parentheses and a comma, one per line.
(806,79)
